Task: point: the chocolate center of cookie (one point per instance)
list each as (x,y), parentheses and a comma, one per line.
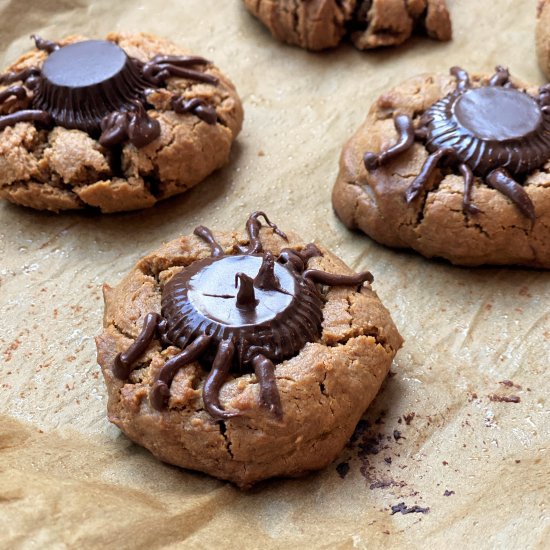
(249,299)
(83,64)
(499,114)
(212,291)
(84,82)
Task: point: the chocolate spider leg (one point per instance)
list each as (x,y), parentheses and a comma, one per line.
(253,226)
(269,394)
(206,235)
(468,176)
(429,166)
(45,45)
(13,91)
(216,378)
(333,279)
(19,76)
(405,129)
(500,180)
(124,362)
(501,76)
(160,392)
(196,106)
(183,60)
(462,77)
(30,115)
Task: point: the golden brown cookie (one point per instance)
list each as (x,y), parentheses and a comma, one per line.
(321,24)
(543,36)
(453,167)
(243,356)
(116,124)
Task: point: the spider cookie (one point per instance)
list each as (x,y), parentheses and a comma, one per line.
(116,124)
(245,357)
(453,167)
(321,24)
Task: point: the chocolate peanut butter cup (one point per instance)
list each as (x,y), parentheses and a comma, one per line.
(83,82)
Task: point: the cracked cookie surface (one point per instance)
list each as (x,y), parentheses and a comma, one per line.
(61,169)
(321,24)
(436,225)
(324,389)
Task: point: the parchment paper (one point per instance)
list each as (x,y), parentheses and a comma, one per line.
(68,479)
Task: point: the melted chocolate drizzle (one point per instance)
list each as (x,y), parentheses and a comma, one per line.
(275,311)
(494,131)
(45,45)
(163,67)
(109,102)
(196,106)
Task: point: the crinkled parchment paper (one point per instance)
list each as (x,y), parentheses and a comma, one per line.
(443,434)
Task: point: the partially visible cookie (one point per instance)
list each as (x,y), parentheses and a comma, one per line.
(321,24)
(117,124)
(243,356)
(453,167)
(543,36)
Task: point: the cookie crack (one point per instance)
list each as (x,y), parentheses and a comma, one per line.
(223,432)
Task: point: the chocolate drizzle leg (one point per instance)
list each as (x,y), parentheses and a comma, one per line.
(269,394)
(216,378)
(238,312)
(162,67)
(206,235)
(196,106)
(45,45)
(494,131)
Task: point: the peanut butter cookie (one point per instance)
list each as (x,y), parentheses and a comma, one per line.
(245,357)
(116,124)
(453,167)
(321,24)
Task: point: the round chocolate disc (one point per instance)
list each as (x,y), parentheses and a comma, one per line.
(212,292)
(203,299)
(82,83)
(496,113)
(84,64)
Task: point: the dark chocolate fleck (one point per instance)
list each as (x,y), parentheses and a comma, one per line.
(403,509)
(342,469)
(397,435)
(504,398)
(448,493)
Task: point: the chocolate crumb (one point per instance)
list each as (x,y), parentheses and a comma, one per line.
(408,418)
(403,509)
(386,532)
(387,460)
(518,461)
(397,435)
(504,398)
(342,469)
(510,384)
(360,429)
(445,463)
(380,484)
(448,493)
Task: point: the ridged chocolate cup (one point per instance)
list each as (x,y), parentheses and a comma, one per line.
(201,300)
(83,82)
